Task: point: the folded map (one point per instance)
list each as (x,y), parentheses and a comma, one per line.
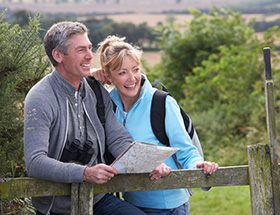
(142,157)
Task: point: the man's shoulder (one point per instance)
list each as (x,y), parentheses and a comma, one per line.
(41,91)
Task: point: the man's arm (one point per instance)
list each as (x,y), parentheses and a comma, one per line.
(40,155)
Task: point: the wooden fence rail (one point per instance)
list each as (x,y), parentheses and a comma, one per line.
(261,173)
(224,176)
(258,174)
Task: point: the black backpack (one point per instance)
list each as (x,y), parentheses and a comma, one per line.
(158,119)
(158,124)
(100,109)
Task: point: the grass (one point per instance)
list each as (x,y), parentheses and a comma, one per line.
(234,200)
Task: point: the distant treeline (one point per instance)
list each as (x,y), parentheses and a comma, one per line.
(245,7)
(263,25)
(141,35)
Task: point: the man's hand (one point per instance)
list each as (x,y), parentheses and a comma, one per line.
(160,171)
(208,167)
(99,174)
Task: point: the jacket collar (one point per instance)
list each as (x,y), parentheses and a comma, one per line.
(67,87)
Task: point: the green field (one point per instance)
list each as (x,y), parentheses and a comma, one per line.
(234,200)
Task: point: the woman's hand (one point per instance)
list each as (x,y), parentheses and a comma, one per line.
(99,75)
(208,167)
(160,171)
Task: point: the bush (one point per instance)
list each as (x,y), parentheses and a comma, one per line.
(183,51)
(215,70)
(22,64)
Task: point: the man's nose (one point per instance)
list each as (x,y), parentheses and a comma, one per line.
(89,54)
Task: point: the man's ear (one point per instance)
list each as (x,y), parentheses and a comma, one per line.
(57,55)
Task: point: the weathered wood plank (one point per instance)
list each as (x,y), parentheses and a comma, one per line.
(25,187)
(81,199)
(75,187)
(271,127)
(261,180)
(86,200)
(224,176)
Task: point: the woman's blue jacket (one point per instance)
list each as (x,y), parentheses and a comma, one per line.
(138,124)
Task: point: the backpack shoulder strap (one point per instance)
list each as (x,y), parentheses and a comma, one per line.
(158,116)
(100,108)
(161,84)
(114,106)
(187,122)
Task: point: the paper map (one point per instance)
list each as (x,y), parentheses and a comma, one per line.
(142,157)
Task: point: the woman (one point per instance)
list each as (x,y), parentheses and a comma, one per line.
(132,95)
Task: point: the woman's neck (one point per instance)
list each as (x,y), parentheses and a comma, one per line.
(128,102)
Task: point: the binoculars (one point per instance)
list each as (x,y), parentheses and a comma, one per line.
(73,152)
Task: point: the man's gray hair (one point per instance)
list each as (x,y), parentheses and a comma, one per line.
(58,35)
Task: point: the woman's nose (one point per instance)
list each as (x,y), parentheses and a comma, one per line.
(131,76)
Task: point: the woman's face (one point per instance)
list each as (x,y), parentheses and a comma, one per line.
(127,80)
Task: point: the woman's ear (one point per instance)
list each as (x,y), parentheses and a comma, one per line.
(57,55)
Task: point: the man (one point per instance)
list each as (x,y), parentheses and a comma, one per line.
(64,140)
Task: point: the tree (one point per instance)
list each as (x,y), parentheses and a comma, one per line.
(216,69)
(22,64)
(141,35)
(181,52)
(226,96)
(21,17)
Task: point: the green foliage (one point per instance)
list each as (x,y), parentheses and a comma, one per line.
(22,64)
(215,70)
(181,52)
(226,95)
(141,35)
(21,17)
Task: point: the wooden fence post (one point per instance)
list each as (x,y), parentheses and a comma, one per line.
(271,127)
(261,180)
(81,199)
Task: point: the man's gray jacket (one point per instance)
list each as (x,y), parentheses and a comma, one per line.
(45,132)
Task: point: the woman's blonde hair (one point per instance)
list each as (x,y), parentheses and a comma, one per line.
(113,50)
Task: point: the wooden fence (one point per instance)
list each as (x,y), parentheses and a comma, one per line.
(261,173)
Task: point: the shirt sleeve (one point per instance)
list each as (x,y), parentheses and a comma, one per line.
(187,155)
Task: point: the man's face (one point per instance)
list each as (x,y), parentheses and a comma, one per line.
(76,63)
